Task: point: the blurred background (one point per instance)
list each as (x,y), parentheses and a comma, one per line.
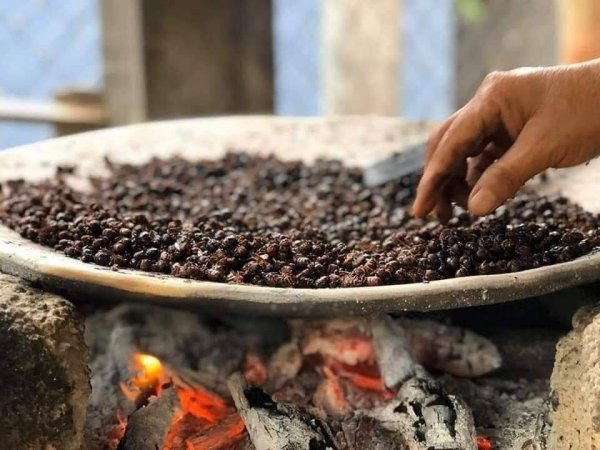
(73,65)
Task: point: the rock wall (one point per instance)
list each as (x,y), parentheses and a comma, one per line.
(575,385)
(44,379)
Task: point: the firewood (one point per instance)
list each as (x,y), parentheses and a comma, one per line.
(275,426)
(450,349)
(422,412)
(393,354)
(364,432)
(147,428)
(188,378)
(284,364)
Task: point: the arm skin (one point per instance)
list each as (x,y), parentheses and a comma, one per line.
(518,124)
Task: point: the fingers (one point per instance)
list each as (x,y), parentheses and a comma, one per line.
(478,164)
(437,136)
(462,138)
(456,191)
(443,207)
(528,156)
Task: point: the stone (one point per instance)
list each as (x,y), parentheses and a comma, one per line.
(44,379)
(575,385)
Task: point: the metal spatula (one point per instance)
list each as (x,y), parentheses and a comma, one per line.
(395,166)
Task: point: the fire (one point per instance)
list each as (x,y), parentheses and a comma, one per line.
(203,404)
(150,370)
(483,443)
(206,421)
(149,377)
(226,432)
(365,377)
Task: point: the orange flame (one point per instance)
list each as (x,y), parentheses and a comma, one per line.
(205,419)
(203,404)
(220,436)
(355,375)
(149,376)
(149,368)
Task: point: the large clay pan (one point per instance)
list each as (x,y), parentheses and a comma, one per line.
(356,140)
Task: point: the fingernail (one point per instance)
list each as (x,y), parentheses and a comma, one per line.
(482,202)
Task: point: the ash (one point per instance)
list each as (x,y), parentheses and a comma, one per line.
(402,383)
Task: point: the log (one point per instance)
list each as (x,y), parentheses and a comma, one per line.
(393,354)
(225,433)
(450,349)
(147,428)
(422,412)
(364,432)
(284,365)
(273,426)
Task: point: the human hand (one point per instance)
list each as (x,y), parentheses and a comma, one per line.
(518,124)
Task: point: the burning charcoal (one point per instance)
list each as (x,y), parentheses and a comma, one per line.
(147,428)
(450,349)
(330,396)
(223,435)
(425,415)
(393,352)
(284,365)
(364,432)
(427,418)
(255,370)
(508,412)
(119,335)
(44,379)
(274,425)
(186,377)
(345,340)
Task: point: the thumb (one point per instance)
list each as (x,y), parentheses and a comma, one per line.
(527,157)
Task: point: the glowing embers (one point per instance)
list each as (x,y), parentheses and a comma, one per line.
(198,419)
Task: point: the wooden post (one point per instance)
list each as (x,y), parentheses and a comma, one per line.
(174,58)
(124,70)
(360,57)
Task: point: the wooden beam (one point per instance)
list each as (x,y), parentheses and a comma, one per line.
(124,69)
(52,112)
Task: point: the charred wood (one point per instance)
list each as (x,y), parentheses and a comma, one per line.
(284,365)
(147,428)
(393,354)
(450,349)
(277,426)
(364,432)
(422,413)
